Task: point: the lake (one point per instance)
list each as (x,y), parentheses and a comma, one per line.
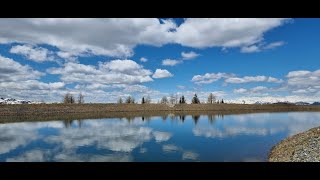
(222,138)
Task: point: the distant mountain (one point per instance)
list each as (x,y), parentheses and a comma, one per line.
(316,103)
(260,102)
(15,101)
(302,103)
(284,102)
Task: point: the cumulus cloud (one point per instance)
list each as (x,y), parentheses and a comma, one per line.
(261,47)
(161,136)
(170,148)
(111,72)
(210,77)
(11,71)
(20,81)
(231,78)
(224,32)
(189,55)
(143,59)
(37,54)
(117,37)
(170,62)
(248,79)
(162,73)
(111,37)
(189,155)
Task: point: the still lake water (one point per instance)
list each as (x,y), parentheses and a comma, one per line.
(241,137)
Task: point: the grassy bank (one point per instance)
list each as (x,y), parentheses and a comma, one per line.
(34,112)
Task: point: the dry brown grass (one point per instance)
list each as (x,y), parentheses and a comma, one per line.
(37,112)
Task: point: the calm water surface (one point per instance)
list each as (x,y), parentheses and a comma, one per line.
(244,137)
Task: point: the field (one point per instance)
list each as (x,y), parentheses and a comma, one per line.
(43,112)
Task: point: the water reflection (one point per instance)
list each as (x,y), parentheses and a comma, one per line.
(211,137)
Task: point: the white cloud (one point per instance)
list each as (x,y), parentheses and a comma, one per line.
(210,77)
(11,71)
(117,37)
(111,37)
(21,81)
(303,82)
(254,90)
(162,73)
(189,55)
(248,79)
(261,47)
(161,136)
(37,54)
(170,62)
(169,148)
(231,78)
(189,155)
(112,72)
(274,45)
(143,59)
(250,49)
(181,87)
(224,32)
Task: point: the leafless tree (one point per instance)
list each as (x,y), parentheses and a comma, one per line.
(211,99)
(81,99)
(164,100)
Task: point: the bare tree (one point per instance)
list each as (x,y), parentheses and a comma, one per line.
(120,101)
(211,99)
(81,99)
(176,98)
(164,100)
(68,99)
(148,99)
(130,100)
(172,99)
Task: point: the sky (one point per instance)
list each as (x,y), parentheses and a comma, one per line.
(237,59)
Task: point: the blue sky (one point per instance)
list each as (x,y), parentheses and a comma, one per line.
(235,59)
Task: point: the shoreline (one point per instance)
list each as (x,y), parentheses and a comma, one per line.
(302,147)
(46,112)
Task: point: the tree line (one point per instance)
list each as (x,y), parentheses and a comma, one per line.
(172,99)
(70,99)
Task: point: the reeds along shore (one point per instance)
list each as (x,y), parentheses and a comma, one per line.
(34,112)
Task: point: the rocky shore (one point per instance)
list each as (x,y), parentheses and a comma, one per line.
(303,147)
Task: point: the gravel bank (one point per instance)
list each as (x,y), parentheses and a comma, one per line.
(303,147)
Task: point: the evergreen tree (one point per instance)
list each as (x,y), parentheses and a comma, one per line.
(183,100)
(143,101)
(195,99)
(222,101)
